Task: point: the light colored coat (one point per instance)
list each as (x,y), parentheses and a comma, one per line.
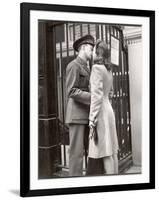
(101,81)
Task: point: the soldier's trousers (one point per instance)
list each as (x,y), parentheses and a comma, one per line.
(76,135)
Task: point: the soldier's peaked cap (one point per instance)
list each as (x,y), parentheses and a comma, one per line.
(87,39)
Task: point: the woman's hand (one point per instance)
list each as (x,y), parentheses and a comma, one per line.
(91,124)
(93,131)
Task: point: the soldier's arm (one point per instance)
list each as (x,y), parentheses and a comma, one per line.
(73,89)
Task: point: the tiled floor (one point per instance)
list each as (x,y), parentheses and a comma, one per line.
(134,170)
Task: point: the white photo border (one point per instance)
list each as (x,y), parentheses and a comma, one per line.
(35,183)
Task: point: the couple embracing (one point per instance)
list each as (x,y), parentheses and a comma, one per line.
(88,105)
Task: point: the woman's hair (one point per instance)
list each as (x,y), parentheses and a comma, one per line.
(102,54)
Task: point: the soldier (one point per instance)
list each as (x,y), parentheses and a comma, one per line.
(77,113)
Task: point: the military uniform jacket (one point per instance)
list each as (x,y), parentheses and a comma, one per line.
(78,95)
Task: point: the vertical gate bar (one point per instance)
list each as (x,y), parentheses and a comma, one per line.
(118,104)
(74,37)
(67,42)
(81,30)
(121,96)
(97,31)
(127,135)
(109,33)
(116,33)
(114,77)
(112,98)
(124,100)
(124,127)
(116,107)
(127,108)
(89,29)
(128,88)
(64,149)
(85,159)
(101,32)
(115,84)
(125,90)
(106,37)
(118,112)
(67,53)
(64,84)
(113,30)
(56,102)
(110,30)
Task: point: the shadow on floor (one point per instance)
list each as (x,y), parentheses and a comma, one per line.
(15,192)
(134,170)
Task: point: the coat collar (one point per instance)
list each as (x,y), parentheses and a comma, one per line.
(83,63)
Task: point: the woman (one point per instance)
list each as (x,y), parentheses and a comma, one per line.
(103,141)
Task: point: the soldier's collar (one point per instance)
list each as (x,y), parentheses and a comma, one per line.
(81,61)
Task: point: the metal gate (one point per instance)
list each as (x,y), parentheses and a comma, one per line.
(64,34)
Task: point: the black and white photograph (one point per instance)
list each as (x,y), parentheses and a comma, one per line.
(86,77)
(88,89)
